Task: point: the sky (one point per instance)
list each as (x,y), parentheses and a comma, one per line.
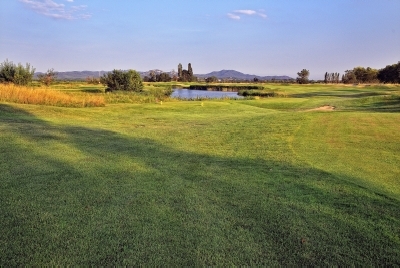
(260,37)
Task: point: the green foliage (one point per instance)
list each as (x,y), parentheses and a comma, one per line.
(163,77)
(124,81)
(258,93)
(211,79)
(303,76)
(186,75)
(48,78)
(390,74)
(360,75)
(332,78)
(17,74)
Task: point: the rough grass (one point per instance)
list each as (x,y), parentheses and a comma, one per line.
(31,95)
(254,182)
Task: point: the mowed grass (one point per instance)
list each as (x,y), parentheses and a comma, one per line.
(255,182)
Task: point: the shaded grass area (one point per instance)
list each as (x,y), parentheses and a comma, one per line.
(181,184)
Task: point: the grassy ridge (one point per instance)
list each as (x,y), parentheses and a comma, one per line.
(261,182)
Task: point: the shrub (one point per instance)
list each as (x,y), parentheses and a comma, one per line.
(47,78)
(120,80)
(17,74)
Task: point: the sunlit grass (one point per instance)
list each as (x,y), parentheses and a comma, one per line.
(263,182)
(43,96)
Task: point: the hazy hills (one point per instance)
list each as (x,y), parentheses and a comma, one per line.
(223,74)
(232,74)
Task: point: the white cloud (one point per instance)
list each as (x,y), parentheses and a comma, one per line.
(236,15)
(246,12)
(50,8)
(233,16)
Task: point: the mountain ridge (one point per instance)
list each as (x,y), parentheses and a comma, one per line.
(223,74)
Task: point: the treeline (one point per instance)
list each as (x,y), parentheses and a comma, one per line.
(361,75)
(157,77)
(390,74)
(233,88)
(332,78)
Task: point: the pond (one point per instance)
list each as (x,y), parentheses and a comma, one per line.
(184,93)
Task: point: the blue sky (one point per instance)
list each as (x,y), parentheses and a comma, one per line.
(260,37)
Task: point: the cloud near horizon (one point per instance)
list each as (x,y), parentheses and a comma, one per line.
(50,8)
(236,15)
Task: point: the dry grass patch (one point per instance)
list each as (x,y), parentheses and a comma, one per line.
(27,95)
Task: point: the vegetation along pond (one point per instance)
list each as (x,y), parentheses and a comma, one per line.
(183,93)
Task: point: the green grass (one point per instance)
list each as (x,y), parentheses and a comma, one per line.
(249,182)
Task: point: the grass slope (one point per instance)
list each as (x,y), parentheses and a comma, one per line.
(258,182)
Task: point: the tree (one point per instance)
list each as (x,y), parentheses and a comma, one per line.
(17,74)
(190,70)
(303,76)
(125,81)
(47,78)
(186,75)
(163,77)
(179,70)
(390,74)
(361,75)
(349,77)
(211,79)
(153,76)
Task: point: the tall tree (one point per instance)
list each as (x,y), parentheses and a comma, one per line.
(179,70)
(190,70)
(303,76)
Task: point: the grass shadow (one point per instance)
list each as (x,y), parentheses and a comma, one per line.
(84,196)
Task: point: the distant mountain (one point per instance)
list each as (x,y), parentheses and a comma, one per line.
(223,74)
(232,74)
(75,75)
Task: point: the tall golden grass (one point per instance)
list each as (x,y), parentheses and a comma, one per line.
(27,95)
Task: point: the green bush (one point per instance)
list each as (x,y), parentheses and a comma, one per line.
(120,80)
(258,93)
(17,74)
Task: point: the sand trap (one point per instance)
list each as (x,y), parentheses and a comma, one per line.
(324,108)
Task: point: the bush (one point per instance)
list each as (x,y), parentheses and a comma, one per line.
(47,78)
(17,74)
(125,81)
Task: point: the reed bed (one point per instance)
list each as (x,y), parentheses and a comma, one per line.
(30,95)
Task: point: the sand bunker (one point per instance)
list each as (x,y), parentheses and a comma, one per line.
(324,108)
